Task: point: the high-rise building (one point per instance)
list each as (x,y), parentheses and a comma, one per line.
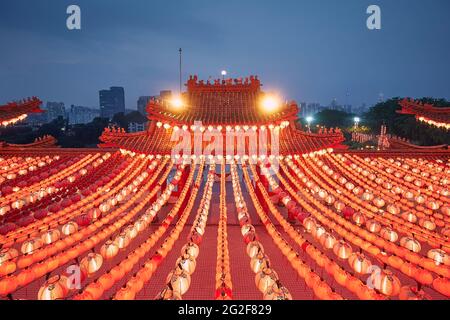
(80,114)
(55,110)
(112,101)
(142,104)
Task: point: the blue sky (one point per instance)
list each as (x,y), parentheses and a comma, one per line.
(308,50)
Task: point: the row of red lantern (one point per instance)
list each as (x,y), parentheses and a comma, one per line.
(34,249)
(73,246)
(18,167)
(133,286)
(266,278)
(340,248)
(382,280)
(224,286)
(407,227)
(320,288)
(50,180)
(371,244)
(87,203)
(12,121)
(408,181)
(44,188)
(405,222)
(179,279)
(110,249)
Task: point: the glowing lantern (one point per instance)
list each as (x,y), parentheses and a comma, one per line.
(122,240)
(277,292)
(412,293)
(31,245)
(409,216)
(327,240)
(92,263)
(439,257)
(392,209)
(265,279)
(359,218)
(192,249)
(53,289)
(379,202)
(367,196)
(179,280)
(359,263)
(389,234)
(254,248)
(109,250)
(69,228)
(410,244)
(342,249)
(309,224)
(318,232)
(187,263)
(247,228)
(427,224)
(8,254)
(373,226)
(50,236)
(385,282)
(259,262)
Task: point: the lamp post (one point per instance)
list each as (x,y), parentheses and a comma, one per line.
(309,120)
(357,120)
(224,73)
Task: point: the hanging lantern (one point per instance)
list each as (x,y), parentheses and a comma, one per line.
(247,228)
(179,280)
(318,232)
(259,262)
(187,263)
(392,209)
(122,240)
(385,282)
(327,240)
(277,292)
(30,246)
(359,218)
(92,263)
(69,228)
(411,244)
(265,279)
(52,289)
(373,226)
(379,202)
(342,249)
(409,216)
(439,257)
(192,249)
(109,250)
(8,254)
(359,263)
(50,236)
(389,234)
(254,248)
(367,196)
(427,224)
(309,224)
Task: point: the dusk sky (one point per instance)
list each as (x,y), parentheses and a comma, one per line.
(307,50)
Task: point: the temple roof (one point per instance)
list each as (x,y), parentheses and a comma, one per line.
(46,141)
(426,112)
(16,111)
(221,102)
(158,141)
(398,143)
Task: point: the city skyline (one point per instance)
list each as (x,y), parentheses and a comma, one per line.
(316,52)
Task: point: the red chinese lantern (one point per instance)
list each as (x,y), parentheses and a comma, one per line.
(439,257)
(342,249)
(385,282)
(359,263)
(92,263)
(411,244)
(52,289)
(109,250)
(179,281)
(265,279)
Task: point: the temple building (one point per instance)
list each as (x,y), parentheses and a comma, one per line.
(224,196)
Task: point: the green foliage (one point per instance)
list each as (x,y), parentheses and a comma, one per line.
(406,126)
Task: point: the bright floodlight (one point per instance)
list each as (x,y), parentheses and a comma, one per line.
(270,103)
(224,72)
(357,119)
(177,102)
(309,119)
